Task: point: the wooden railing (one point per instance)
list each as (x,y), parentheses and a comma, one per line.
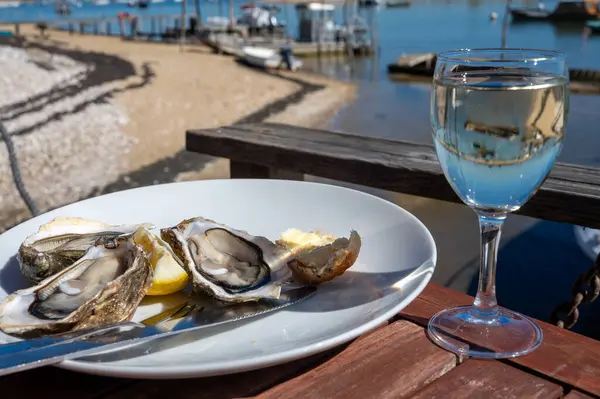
(571,194)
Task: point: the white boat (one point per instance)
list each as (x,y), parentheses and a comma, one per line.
(254,16)
(217,21)
(263,57)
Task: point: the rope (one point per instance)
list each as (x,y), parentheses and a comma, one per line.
(14,166)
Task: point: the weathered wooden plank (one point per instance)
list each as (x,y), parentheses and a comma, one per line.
(225,387)
(244,170)
(488,380)
(56,383)
(578,395)
(392,362)
(571,194)
(228,386)
(564,356)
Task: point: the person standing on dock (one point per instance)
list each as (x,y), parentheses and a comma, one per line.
(286,54)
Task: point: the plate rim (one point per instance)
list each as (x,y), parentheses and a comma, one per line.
(197,370)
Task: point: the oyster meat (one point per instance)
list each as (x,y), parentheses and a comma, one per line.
(229,264)
(61,242)
(319,257)
(103,287)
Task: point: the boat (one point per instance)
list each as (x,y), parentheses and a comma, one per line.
(217,21)
(261,20)
(223,43)
(266,58)
(138,3)
(369,3)
(398,3)
(565,11)
(424,65)
(414,64)
(62,8)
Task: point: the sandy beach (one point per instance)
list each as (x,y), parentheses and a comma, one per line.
(90,115)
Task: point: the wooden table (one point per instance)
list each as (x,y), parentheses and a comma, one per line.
(396,360)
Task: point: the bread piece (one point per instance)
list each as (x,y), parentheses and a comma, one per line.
(320,257)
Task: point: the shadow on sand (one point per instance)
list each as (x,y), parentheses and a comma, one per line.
(102,68)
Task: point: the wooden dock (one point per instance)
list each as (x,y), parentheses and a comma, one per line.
(168,26)
(232,44)
(133,25)
(421,67)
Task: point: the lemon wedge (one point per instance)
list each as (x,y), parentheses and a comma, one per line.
(169,275)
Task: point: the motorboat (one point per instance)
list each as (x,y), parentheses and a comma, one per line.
(217,21)
(369,3)
(138,3)
(255,16)
(266,58)
(63,8)
(565,11)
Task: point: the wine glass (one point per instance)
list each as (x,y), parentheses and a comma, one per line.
(498,118)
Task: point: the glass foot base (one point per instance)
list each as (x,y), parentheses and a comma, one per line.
(466,331)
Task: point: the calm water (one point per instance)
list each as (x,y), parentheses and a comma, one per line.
(401,110)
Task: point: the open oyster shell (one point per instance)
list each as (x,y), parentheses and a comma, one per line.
(319,257)
(104,286)
(229,264)
(61,242)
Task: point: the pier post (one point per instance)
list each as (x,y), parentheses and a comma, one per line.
(182,26)
(107,29)
(81,28)
(17,30)
(134,25)
(71,28)
(152,26)
(122,27)
(160,25)
(95,27)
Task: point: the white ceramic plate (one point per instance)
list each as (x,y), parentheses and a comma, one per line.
(396,261)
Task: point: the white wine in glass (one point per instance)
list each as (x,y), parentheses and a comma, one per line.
(498,119)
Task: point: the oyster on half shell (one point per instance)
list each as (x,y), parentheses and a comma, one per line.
(61,242)
(103,287)
(229,264)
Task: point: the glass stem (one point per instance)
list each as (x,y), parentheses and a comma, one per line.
(490,226)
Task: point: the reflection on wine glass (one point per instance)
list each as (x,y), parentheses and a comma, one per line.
(498,118)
